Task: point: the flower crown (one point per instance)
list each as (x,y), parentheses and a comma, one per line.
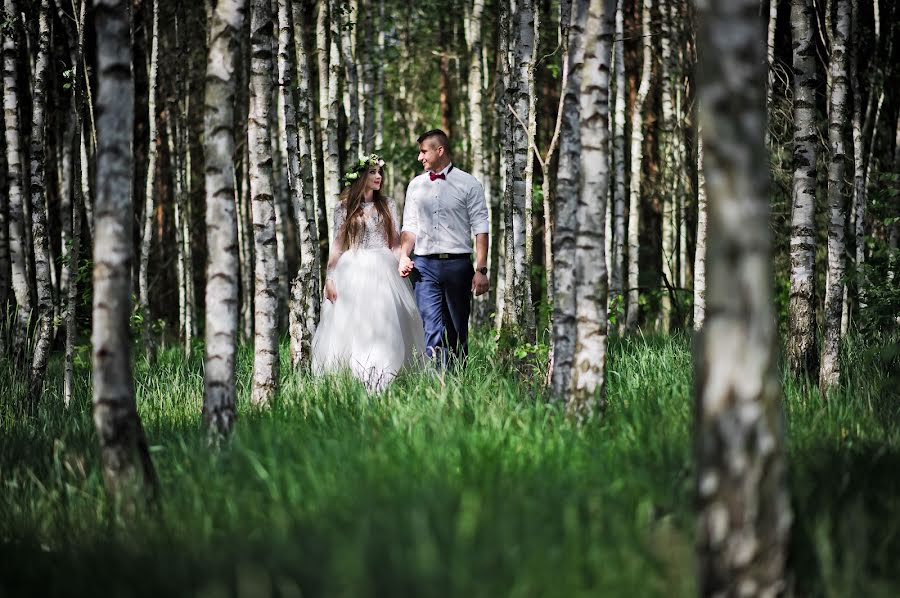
(365,163)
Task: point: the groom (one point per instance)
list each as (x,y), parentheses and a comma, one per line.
(444,208)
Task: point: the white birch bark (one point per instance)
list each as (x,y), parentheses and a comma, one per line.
(564,323)
(366,54)
(77,202)
(741,480)
(347,26)
(4,245)
(222,268)
(127,467)
(518,280)
(306,138)
(702,233)
(667,180)
(617,259)
(476,115)
(830,372)
(259,140)
(379,81)
(16,191)
(39,226)
(149,193)
(589,393)
(802,356)
(860,191)
(770,61)
(303,293)
(634,180)
(329,67)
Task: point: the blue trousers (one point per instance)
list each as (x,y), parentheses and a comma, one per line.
(443,291)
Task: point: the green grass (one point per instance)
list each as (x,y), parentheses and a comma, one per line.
(467,486)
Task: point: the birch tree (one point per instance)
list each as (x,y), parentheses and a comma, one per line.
(588,393)
(830,372)
(149,193)
(700,249)
(518,280)
(222,273)
(347,16)
(742,493)
(303,312)
(564,323)
(329,67)
(15,180)
(666,150)
(127,467)
(637,139)
(259,141)
(801,343)
(39,227)
(617,259)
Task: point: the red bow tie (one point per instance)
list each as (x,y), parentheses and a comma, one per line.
(437,176)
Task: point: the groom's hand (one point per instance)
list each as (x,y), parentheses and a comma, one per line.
(406,266)
(481,284)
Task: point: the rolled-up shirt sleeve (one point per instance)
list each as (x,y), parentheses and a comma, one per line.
(410,212)
(478,212)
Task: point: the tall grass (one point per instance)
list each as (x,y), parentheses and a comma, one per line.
(470,485)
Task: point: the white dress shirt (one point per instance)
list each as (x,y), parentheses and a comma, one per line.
(445,214)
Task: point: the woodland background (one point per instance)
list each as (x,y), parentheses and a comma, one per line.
(547,466)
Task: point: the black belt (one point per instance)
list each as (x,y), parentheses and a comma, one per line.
(448,256)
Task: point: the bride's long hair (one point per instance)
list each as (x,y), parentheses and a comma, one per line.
(352,199)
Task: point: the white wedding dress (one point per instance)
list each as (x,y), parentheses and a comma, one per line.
(373,328)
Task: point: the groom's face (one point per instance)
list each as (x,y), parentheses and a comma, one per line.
(430,154)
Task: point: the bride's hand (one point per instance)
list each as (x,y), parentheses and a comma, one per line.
(330,292)
(405,266)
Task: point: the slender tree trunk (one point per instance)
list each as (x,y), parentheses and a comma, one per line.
(770,61)
(894,231)
(301,313)
(666,146)
(4,245)
(830,373)
(16,191)
(306,141)
(77,202)
(329,67)
(741,480)
(530,324)
(219,409)
(589,392)
(564,323)
(801,345)
(860,190)
(367,53)
(149,204)
(518,279)
(379,81)
(476,117)
(348,54)
(38,209)
(265,362)
(700,251)
(127,467)
(637,140)
(620,196)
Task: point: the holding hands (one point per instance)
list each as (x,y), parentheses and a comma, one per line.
(406,266)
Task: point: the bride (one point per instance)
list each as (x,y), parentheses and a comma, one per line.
(370,323)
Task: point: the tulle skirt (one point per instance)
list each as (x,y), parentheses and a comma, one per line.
(373,328)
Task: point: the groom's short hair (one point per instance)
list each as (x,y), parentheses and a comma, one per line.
(439,136)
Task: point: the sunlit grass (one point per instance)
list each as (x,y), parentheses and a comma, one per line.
(470,484)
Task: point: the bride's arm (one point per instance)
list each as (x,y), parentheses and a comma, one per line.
(395,233)
(335,254)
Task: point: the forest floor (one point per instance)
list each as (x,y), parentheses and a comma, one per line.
(467,486)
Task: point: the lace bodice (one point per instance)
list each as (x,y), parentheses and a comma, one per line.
(373,238)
